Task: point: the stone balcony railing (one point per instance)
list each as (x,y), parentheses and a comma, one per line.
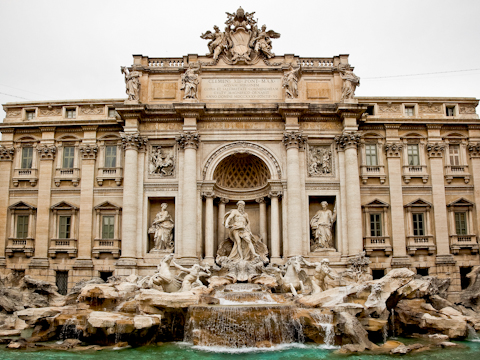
(415,171)
(458,242)
(110,174)
(25,175)
(425,242)
(26,246)
(372,171)
(68,246)
(106,246)
(72,175)
(457,171)
(377,243)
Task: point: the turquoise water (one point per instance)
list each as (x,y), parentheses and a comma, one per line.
(181,351)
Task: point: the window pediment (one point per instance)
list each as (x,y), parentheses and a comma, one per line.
(419,203)
(461,202)
(107,206)
(63,205)
(22,206)
(376,204)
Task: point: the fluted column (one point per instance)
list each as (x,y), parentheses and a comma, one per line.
(88,153)
(435,154)
(349,142)
(6,161)
(221,215)
(188,141)
(209,236)
(131,141)
(292,140)
(263,219)
(274,225)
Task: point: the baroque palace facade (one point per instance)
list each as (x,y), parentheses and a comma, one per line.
(323,174)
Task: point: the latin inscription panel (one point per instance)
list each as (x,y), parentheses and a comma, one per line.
(241,89)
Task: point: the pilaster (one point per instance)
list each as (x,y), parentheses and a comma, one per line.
(275,225)
(474,153)
(263,218)
(209,235)
(221,215)
(6,161)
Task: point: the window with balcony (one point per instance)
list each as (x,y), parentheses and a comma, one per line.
(68,157)
(64,230)
(67,161)
(456,165)
(376,236)
(419,231)
(460,224)
(372,163)
(21,236)
(109,161)
(25,162)
(414,164)
(107,229)
(27,157)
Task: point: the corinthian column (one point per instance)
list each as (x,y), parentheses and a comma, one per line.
(292,141)
(263,219)
(132,142)
(221,215)
(349,142)
(209,195)
(188,141)
(275,225)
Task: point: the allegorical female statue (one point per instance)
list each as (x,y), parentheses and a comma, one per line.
(163,226)
(132,83)
(322,224)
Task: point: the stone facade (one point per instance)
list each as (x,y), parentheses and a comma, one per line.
(82,181)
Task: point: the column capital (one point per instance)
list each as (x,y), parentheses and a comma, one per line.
(208,194)
(6,153)
(275,193)
(224,200)
(188,140)
(133,141)
(88,152)
(474,149)
(393,149)
(435,150)
(260,200)
(349,139)
(47,152)
(294,139)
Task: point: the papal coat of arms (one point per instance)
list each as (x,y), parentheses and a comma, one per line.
(242,41)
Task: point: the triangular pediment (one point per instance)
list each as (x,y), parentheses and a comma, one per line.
(461,202)
(376,203)
(22,206)
(107,206)
(419,202)
(63,205)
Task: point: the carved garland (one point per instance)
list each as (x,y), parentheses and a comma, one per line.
(474,149)
(47,152)
(88,151)
(6,153)
(241,144)
(393,149)
(435,150)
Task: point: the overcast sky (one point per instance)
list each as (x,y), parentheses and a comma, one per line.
(74,49)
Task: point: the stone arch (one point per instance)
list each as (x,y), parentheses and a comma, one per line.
(241,147)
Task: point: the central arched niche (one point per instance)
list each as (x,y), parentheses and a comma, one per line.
(241,172)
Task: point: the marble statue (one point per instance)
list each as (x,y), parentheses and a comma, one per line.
(262,42)
(192,277)
(322,224)
(350,81)
(290,82)
(132,82)
(245,244)
(163,277)
(322,271)
(358,270)
(163,229)
(219,41)
(290,278)
(162,162)
(190,83)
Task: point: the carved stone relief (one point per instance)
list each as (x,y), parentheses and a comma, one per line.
(51,111)
(467,109)
(320,160)
(13,113)
(390,108)
(162,161)
(429,108)
(92,110)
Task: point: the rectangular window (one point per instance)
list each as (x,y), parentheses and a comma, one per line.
(375,224)
(22,226)
(454,152)
(27,157)
(108,227)
(61,280)
(68,155)
(418,224)
(371,154)
(413,156)
(70,113)
(450,111)
(461,223)
(64,227)
(30,114)
(111,112)
(110,156)
(409,110)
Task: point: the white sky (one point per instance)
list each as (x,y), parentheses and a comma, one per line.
(74,49)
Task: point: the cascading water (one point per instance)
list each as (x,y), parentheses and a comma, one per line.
(392,322)
(472,334)
(69,329)
(325,321)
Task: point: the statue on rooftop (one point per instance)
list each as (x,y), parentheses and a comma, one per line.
(290,82)
(132,83)
(261,40)
(219,42)
(190,83)
(350,81)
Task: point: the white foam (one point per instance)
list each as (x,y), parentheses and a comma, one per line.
(242,350)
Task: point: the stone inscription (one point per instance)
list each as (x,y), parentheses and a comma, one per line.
(242,89)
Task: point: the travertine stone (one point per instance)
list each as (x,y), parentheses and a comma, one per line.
(275,224)
(5,176)
(209,236)
(263,218)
